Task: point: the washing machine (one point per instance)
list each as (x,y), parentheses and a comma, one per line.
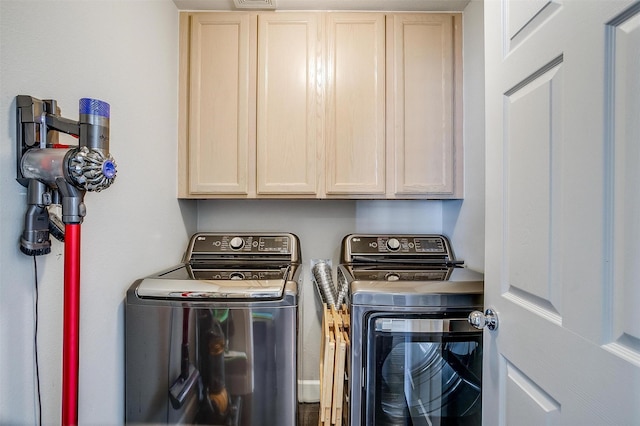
(213,340)
(415,359)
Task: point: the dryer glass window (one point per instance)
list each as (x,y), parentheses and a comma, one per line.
(422,371)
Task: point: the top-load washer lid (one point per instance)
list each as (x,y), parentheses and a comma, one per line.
(229,266)
(210,289)
(238,283)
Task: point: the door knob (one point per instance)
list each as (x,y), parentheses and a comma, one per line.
(479,320)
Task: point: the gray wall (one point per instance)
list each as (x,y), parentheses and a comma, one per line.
(463,221)
(125,53)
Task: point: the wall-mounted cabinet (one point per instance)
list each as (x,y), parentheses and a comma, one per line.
(320,105)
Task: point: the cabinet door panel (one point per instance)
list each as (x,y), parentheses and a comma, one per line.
(287,116)
(424,51)
(355,76)
(219,80)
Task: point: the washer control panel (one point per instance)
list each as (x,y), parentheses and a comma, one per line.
(240,243)
(223,274)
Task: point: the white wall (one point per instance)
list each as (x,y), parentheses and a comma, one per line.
(124,52)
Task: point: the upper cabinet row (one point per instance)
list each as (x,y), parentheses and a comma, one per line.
(320,105)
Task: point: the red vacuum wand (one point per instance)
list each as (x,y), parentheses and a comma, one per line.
(71,330)
(59,174)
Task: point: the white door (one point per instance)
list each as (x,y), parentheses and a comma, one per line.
(563,212)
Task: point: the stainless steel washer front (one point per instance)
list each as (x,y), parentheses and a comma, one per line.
(213,340)
(414,357)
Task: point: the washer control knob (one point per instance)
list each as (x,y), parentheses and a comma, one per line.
(236,243)
(393,244)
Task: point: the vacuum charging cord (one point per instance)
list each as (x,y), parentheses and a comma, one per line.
(35,341)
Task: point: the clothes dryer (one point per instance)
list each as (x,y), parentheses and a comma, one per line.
(415,359)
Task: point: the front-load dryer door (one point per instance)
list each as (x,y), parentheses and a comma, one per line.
(422,371)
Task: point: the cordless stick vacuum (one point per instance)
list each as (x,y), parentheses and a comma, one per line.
(56,174)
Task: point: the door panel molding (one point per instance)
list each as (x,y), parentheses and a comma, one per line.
(625,348)
(622,229)
(535,304)
(524,18)
(532,161)
(528,404)
(538,74)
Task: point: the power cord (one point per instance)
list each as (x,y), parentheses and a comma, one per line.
(35,341)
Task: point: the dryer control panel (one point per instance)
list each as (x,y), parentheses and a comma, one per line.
(398,248)
(407,244)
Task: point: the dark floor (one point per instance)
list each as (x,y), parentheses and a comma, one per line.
(308,414)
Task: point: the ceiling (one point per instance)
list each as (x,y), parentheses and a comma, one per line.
(386,5)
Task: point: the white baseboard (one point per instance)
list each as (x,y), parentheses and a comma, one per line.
(308,390)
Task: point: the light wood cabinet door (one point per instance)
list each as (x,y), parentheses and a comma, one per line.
(355,104)
(221,103)
(425,105)
(288,109)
